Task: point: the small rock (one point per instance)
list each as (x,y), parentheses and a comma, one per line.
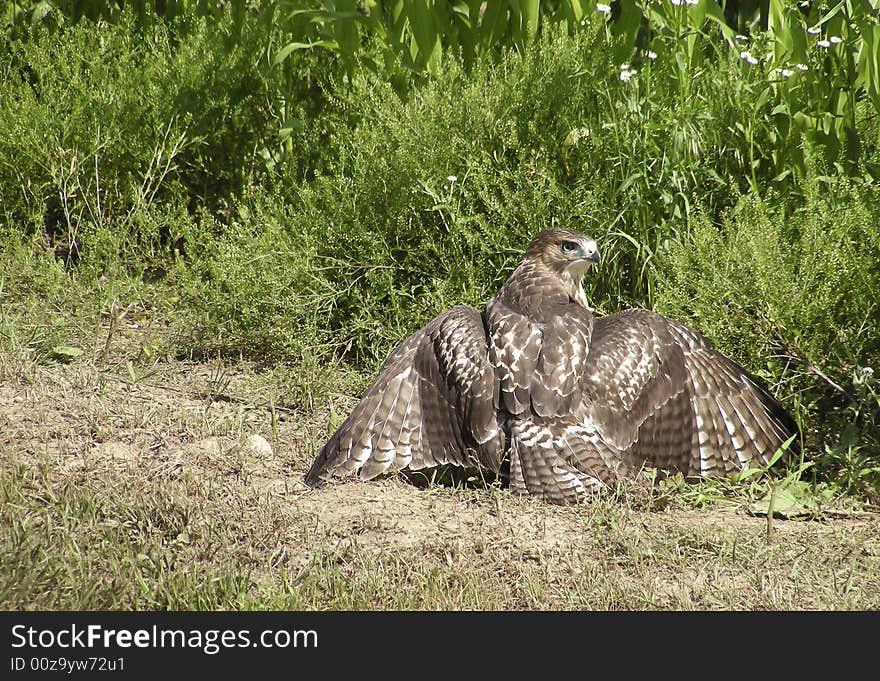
(118,451)
(257,444)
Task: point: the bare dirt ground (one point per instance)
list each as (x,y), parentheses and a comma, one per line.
(188,430)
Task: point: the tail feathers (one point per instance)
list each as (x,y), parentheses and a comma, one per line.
(556,462)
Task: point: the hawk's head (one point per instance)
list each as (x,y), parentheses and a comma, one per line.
(565,252)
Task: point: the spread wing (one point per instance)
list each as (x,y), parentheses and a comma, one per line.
(433,402)
(660,395)
(738,423)
(655,393)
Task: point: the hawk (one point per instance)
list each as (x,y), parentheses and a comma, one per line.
(573,401)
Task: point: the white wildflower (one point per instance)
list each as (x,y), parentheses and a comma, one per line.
(802,67)
(785,73)
(823,44)
(602,8)
(626,73)
(650,54)
(814,30)
(742,38)
(867,371)
(452,179)
(692,2)
(834,40)
(747,57)
(676,2)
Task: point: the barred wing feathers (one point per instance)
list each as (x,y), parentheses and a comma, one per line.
(539,363)
(433,402)
(515,343)
(660,395)
(622,384)
(558,460)
(739,424)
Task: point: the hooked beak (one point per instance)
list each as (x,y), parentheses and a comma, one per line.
(591,252)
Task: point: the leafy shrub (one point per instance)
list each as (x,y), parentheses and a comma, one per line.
(253,289)
(794,297)
(104,123)
(551,136)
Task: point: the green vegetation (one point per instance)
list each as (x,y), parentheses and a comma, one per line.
(301,183)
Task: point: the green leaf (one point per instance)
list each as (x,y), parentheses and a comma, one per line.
(778,454)
(531,10)
(785,505)
(626,28)
(424,30)
(65,353)
(285,51)
(868,67)
(682,61)
(714,13)
(762,98)
(494,22)
(779,109)
(827,123)
(785,173)
(793,500)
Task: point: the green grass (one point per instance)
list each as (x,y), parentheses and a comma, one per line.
(88,549)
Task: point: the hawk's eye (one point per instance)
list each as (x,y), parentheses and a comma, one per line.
(568,246)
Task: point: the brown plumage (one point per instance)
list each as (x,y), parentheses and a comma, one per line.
(574,401)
